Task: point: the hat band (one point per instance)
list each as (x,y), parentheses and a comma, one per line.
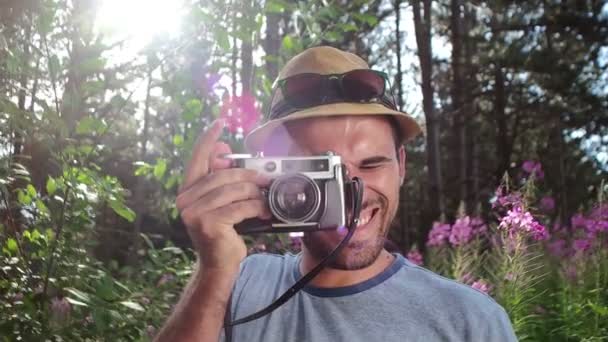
(306,90)
(283,108)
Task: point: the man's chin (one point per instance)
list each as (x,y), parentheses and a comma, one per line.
(355,256)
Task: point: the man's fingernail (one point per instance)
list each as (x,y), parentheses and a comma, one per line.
(342,230)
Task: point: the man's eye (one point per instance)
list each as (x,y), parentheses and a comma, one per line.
(370,166)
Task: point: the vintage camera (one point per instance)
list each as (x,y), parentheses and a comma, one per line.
(305,194)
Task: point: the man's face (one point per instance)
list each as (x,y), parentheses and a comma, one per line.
(367,148)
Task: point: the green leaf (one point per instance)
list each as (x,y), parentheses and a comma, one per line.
(122,210)
(90,125)
(51,186)
(274,7)
(287,43)
(192,110)
(223,40)
(132,305)
(75,302)
(11,245)
(160,168)
(31,190)
(23,198)
(79,294)
(369,19)
(178,140)
(42,207)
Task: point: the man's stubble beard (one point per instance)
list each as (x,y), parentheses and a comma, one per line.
(357,254)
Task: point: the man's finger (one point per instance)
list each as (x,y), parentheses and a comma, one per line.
(199,164)
(217,162)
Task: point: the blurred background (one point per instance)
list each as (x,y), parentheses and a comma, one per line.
(102,100)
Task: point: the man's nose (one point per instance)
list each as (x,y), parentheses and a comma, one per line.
(352,171)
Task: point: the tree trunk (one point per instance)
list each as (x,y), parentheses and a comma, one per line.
(140,196)
(272,44)
(502,134)
(247,51)
(458,90)
(422,25)
(469,110)
(404,241)
(399,77)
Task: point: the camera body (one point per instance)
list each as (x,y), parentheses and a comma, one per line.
(305,193)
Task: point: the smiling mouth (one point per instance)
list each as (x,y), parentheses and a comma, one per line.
(366,216)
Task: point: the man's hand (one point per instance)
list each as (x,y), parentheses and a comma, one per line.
(214,197)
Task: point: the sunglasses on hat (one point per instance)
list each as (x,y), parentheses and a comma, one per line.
(310,90)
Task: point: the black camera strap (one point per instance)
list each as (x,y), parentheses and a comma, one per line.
(356,196)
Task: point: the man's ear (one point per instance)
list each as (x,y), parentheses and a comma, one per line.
(401,159)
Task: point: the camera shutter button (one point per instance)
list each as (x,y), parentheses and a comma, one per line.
(270,166)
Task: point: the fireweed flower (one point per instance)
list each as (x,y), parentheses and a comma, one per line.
(504,199)
(557,248)
(581,245)
(547,204)
(578,221)
(438,235)
(479,227)
(533,167)
(462,232)
(482,285)
(467,278)
(415,257)
(519,221)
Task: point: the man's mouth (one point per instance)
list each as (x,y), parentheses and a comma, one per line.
(366,217)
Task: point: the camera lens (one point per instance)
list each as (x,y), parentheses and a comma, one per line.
(294,198)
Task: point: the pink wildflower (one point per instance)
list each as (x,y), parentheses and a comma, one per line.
(467,278)
(415,257)
(438,235)
(479,227)
(503,199)
(547,204)
(533,167)
(461,231)
(578,221)
(557,248)
(581,245)
(482,285)
(519,221)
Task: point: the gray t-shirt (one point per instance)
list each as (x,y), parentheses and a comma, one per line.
(403,303)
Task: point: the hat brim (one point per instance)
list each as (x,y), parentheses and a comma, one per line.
(254,141)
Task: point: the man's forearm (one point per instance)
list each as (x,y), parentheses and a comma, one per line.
(199,314)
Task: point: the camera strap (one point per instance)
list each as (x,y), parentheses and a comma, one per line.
(356,197)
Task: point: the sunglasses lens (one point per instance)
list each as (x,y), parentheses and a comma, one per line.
(361,85)
(303,90)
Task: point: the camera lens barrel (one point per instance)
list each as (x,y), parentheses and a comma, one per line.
(294,198)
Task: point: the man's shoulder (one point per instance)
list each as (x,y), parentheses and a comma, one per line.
(445,293)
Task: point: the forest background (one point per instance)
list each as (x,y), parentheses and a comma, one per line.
(102,100)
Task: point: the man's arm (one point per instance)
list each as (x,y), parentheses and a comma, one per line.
(213,198)
(199,314)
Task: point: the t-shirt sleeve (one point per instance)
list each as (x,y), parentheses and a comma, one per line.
(498,328)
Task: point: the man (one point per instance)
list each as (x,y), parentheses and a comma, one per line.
(366,293)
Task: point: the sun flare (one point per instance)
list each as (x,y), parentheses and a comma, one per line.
(138,21)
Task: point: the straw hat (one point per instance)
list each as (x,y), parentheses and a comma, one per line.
(326,60)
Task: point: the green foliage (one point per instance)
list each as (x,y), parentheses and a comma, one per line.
(93,148)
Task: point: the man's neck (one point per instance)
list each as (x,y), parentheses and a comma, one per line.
(331,277)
